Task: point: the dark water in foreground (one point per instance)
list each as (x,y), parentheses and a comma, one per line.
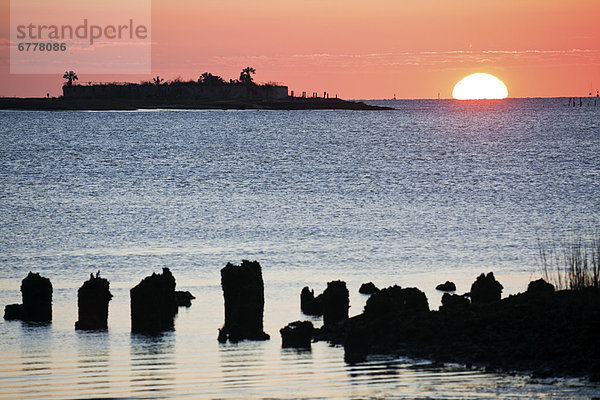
(436,190)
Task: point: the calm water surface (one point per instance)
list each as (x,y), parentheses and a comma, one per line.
(435,190)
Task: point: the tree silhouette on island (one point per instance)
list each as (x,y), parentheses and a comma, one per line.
(246,75)
(210,79)
(71,76)
(205,78)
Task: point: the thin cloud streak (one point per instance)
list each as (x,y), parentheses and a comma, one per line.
(450,52)
(421,58)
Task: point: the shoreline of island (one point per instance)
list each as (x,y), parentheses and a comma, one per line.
(291,103)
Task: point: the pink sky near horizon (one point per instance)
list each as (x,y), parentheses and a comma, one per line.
(363,50)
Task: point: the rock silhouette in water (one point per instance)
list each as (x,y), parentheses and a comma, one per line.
(446,287)
(243,292)
(184,299)
(454,301)
(392,308)
(153,303)
(393,300)
(13,311)
(540,287)
(92,301)
(336,303)
(297,334)
(485,289)
(36,292)
(309,304)
(368,288)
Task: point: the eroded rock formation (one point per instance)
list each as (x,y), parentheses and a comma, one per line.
(540,287)
(486,289)
(395,299)
(309,304)
(446,287)
(368,288)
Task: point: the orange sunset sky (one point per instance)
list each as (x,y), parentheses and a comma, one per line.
(363,49)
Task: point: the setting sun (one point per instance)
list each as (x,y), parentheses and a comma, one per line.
(480,86)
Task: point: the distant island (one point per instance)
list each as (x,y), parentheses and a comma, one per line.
(208,92)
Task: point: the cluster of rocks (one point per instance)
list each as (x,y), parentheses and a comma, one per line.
(154,302)
(486,289)
(332,305)
(542,331)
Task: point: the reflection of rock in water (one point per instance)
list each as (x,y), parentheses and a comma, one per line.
(92,301)
(36,352)
(382,368)
(243,291)
(153,303)
(93,362)
(153,364)
(36,292)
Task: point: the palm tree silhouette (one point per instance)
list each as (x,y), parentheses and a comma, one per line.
(71,76)
(158,80)
(246,75)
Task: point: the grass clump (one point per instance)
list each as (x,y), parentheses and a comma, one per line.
(575,266)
